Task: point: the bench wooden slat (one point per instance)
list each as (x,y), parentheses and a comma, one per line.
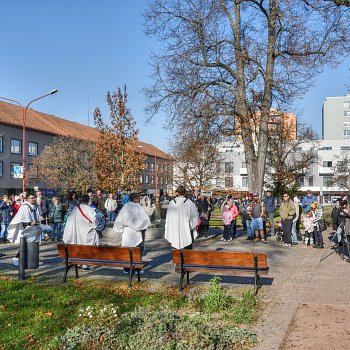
(220,258)
(222,271)
(99,252)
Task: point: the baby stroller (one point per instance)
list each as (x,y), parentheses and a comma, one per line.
(279,234)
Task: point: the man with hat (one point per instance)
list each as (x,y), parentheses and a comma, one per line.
(257,213)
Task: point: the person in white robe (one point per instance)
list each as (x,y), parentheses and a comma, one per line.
(181,221)
(131,221)
(81,225)
(25,223)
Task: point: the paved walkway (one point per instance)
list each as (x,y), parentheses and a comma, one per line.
(296,279)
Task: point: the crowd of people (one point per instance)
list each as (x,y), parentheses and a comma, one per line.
(186,218)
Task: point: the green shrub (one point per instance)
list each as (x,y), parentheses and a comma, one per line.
(147,329)
(215,299)
(245,310)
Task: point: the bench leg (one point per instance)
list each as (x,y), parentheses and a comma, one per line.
(182,275)
(256,284)
(131,271)
(65,275)
(188,278)
(138,276)
(76,271)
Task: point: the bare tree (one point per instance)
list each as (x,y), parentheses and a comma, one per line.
(65,163)
(341,172)
(117,159)
(196,153)
(291,153)
(241,57)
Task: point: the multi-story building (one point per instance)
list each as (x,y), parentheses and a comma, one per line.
(336,118)
(42,128)
(318,178)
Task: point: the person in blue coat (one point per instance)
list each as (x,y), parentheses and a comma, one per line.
(307,200)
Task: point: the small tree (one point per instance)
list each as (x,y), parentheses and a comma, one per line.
(66,163)
(196,153)
(117,159)
(341,172)
(287,159)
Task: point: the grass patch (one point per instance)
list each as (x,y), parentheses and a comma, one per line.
(46,316)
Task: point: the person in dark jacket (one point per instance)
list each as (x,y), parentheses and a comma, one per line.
(270,207)
(5,218)
(56,217)
(203,211)
(335,214)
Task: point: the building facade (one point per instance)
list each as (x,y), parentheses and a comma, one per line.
(40,131)
(318,177)
(336,118)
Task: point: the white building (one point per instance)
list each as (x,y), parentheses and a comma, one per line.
(329,152)
(336,118)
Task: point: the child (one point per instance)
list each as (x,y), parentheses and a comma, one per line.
(317,215)
(226,219)
(309,229)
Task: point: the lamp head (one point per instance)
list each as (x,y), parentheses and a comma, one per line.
(53,91)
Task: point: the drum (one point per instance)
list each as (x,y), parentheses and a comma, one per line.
(100,220)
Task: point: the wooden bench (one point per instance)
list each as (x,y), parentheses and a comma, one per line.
(97,255)
(218,262)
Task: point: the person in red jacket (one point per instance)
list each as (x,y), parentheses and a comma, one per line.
(15,206)
(234,213)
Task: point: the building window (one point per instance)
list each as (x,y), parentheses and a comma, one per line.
(346,113)
(161,181)
(346,132)
(244,181)
(16,146)
(147,166)
(244,164)
(326,148)
(301,181)
(327,181)
(346,104)
(229,181)
(229,168)
(152,166)
(152,180)
(33,149)
(146,179)
(1,144)
(327,164)
(15,170)
(345,148)
(311,181)
(141,179)
(1,167)
(346,124)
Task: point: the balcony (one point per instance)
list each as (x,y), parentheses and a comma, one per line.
(243,171)
(325,171)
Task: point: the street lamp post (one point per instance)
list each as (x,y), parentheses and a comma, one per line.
(24,120)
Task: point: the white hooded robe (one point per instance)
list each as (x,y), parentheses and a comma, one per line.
(27,213)
(131,220)
(80,230)
(181,219)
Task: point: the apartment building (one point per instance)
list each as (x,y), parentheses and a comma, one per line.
(336,118)
(41,128)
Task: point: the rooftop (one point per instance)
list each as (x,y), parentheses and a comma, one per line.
(11,115)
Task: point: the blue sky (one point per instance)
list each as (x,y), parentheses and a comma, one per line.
(86,47)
